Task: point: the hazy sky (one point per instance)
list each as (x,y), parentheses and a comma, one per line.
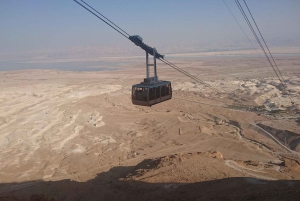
(49,25)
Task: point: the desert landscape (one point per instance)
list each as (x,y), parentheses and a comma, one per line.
(75,135)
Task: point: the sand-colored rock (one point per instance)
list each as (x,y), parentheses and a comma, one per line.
(77,136)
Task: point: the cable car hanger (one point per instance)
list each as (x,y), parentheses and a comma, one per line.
(152,90)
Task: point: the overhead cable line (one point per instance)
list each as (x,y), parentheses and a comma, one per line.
(189,75)
(101,19)
(121,31)
(256,37)
(239,25)
(260,44)
(264,42)
(105,17)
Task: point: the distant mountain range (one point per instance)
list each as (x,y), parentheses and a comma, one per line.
(276,46)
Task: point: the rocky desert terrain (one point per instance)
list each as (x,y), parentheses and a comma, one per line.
(70,135)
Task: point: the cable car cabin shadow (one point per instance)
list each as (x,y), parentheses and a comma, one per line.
(151,94)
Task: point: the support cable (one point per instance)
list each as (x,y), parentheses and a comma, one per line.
(265,43)
(255,48)
(101,19)
(105,18)
(189,75)
(257,39)
(240,26)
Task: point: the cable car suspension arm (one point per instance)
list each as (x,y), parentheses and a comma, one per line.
(137,40)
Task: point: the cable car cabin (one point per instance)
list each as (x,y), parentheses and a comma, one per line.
(150,94)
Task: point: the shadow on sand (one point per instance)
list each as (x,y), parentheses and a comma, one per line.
(110,186)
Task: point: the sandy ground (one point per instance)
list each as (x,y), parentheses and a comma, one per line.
(76,135)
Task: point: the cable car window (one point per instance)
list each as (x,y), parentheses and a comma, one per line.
(168,89)
(133,92)
(152,94)
(163,91)
(145,94)
(141,93)
(157,92)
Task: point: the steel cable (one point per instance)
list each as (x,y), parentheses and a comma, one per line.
(260,44)
(263,40)
(101,19)
(256,37)
(105,17)
(284,85)
(189,75)
(239,25)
